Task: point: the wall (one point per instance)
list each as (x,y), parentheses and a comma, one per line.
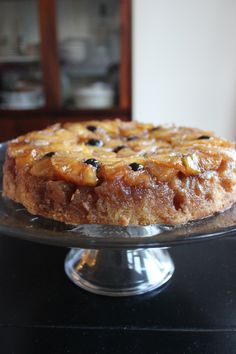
(184,63)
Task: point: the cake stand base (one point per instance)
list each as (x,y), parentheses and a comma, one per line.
(119,272)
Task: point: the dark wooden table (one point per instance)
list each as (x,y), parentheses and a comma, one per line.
(41,311)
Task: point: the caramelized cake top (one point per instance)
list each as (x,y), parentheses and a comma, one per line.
(88,153)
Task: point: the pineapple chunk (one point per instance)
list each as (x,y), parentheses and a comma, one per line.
(191,163)
(74,170)
(43,168)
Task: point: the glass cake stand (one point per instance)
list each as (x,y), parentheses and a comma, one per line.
(113,260)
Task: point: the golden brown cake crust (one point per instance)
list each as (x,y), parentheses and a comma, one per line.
(113,172)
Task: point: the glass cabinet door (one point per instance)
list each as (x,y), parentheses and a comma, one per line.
(20,69)
(89,53)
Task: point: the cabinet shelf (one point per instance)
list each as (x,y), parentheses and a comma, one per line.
(18,59)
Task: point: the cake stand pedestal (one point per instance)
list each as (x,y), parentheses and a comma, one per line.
(117,272)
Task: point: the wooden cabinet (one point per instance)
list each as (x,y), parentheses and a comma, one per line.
(63,60)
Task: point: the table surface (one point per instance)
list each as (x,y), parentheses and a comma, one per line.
(41,311)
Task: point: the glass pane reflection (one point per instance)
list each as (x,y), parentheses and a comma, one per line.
(20,69)
(89,51)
